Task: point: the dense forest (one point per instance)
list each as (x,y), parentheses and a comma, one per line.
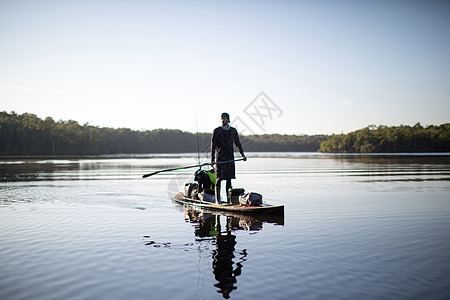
(384,139)
(26,134)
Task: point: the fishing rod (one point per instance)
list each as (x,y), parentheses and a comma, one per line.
(188,167)
(196,128)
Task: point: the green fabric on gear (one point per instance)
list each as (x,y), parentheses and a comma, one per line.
(212,177)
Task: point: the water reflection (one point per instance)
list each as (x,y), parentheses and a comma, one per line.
(218,230)
(14,171)
(227,261)
(414,166)
(224,270)
(84,168)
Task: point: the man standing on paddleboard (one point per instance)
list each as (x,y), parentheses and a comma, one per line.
(222,150)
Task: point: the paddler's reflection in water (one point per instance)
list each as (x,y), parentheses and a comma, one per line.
(224,269)
(222,264)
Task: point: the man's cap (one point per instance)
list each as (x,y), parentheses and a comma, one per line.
(226,116)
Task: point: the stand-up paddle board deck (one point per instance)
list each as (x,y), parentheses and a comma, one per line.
(264,209)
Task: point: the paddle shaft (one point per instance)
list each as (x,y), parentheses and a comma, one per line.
(188,167)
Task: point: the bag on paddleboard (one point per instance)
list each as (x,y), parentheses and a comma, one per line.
(233,195)
(250,199)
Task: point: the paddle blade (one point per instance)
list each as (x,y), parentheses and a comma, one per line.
(148,175)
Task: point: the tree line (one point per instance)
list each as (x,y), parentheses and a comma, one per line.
(27,134)
(395,139)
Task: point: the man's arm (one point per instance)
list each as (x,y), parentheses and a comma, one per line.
(238,144)
(213,148)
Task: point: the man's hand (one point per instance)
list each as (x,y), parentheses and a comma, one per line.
(244,158)
(213,162)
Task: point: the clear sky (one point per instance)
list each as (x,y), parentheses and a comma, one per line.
(324,66)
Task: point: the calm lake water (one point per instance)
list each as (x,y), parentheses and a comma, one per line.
(355,227)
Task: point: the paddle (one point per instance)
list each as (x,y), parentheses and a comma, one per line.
(182,168)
